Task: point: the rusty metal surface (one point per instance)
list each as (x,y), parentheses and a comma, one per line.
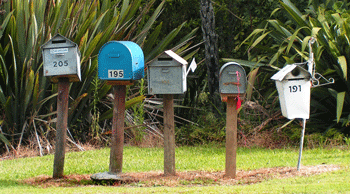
(117,144)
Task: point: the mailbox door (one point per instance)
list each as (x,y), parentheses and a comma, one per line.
(61,61)
(294,96)
(165,79)
(232,79)
(115,62)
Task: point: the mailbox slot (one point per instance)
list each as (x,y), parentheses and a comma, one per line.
(61,58)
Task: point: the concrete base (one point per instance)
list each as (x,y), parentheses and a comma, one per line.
(108,176)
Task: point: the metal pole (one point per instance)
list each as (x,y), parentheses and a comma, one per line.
(117,144)
(231,137)
(301,144)
(61,131)
(169,135)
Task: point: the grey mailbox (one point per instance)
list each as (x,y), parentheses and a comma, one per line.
(232,80)
(61,58)
(167,74)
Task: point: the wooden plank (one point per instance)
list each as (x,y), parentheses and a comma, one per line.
(231,137)
(169,135)
(117,144)
(61,127)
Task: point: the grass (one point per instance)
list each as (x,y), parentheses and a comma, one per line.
(204,158)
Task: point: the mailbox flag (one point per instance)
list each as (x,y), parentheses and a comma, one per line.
(193,65)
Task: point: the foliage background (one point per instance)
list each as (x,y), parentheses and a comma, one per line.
(27,99)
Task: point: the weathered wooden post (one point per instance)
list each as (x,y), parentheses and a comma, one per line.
(169,135)
(61,58)
(120,63)
(233,85)
(167,75)
(231,137)
(61,127)
(117,139)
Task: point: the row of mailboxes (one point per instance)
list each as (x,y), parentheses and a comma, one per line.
(120,61)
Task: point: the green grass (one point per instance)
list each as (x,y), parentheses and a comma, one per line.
(206,158)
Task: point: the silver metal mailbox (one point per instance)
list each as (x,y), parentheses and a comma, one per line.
(61,58)
(167,74)
(293,84)
(232,80)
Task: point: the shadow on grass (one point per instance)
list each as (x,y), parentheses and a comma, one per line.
(11,183)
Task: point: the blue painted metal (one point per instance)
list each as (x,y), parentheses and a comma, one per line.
(115,56)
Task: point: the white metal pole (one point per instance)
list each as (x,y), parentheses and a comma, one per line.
(301,143)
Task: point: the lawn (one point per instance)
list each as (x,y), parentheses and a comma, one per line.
(208,160)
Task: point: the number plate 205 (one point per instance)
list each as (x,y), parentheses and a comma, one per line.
(115,73)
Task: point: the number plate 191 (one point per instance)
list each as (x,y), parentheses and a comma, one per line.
(115,73)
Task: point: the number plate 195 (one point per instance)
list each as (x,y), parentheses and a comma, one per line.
(115,73)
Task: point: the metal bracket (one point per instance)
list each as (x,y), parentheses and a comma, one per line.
(316,77)
(316,80)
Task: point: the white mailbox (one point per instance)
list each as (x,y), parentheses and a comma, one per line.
(61,58)
(293,84)
(167,74)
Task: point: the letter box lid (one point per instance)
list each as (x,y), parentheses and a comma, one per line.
(171,54)
(286,73)
(59,41)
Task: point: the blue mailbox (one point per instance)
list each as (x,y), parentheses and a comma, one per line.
(120,61)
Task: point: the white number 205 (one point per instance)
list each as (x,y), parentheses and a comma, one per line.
(115,74)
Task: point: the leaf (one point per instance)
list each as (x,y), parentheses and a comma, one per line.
(251,81)
(109,113)
(28,90)
(343,66)
(4,139)
(292,39)
(75,103)
(340,104)
(294,12)
(4,23)
(258,40)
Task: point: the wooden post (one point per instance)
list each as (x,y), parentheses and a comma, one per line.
(231,137)
(61,127)
(169,135)
(116,154)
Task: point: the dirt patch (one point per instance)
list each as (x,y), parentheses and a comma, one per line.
(188,178)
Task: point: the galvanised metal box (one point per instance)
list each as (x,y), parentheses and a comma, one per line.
(167,74)
(120,61)
(232,80)
(293,84)
(61,58)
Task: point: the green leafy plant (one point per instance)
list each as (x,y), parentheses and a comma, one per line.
(277,43)
(27,98)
